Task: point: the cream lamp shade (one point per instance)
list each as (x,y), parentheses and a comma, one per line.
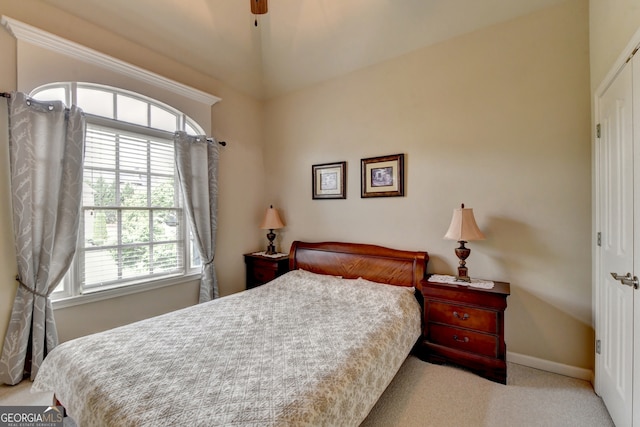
(271,222)
(463,228)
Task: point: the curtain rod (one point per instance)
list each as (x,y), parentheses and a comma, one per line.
(223,143)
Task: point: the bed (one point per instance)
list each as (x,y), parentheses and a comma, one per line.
(316,346)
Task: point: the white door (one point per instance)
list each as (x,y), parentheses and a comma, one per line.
(614,302)
(636,197)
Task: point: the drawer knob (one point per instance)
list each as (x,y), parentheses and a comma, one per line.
(465,339)
(465,316)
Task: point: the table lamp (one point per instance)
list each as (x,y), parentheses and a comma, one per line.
(463,228)
(271,222)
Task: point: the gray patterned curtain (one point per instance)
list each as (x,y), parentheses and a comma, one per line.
(197,164)
(46,143)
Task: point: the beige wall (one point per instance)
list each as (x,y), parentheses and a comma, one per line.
(241,199)
(498,120)
(7,252)
(611,26)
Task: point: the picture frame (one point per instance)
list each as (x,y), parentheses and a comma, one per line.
(329,181)
(382,176)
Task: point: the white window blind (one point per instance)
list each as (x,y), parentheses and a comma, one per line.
(133,221)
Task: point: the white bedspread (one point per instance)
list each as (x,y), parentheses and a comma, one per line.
(302,350)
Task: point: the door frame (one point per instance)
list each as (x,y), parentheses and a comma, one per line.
(621,61)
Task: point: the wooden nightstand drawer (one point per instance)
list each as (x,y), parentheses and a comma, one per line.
(261,274)
(465,317)
(464,326)
(262,269)
(464,339)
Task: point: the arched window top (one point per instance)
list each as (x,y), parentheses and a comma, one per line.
(134,230)
(118,105)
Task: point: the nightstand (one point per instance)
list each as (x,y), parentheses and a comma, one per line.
(261,269)
(464,326)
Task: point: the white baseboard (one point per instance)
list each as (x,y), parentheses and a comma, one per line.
(549,366)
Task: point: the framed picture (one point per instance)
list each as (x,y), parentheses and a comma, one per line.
(383,176)
(329,180)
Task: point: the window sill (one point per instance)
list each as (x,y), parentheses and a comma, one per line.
(99,295)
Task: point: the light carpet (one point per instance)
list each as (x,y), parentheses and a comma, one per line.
(425,395)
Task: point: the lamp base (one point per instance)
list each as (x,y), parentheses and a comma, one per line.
(271,249)
(463,275)
(463,253)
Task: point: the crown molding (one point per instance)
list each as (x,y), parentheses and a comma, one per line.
(38,37)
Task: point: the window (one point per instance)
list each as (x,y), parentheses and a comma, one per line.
(133,228)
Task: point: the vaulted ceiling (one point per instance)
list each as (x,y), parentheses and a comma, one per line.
(298,42)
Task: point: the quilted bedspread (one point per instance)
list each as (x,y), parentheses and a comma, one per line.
(304,349)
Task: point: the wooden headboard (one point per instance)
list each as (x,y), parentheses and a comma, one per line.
(353,260)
